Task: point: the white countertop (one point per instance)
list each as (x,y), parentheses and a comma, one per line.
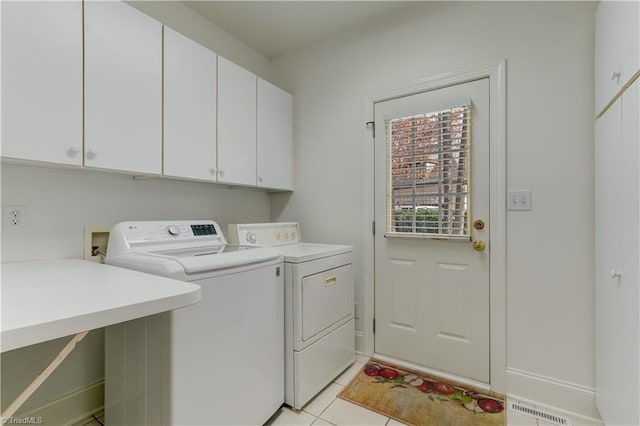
(44,300)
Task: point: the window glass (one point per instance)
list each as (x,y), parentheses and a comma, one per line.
(428,166)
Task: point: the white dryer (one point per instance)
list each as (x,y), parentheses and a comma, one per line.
(217,362)
(319,306)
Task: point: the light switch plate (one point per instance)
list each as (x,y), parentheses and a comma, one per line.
(519,200)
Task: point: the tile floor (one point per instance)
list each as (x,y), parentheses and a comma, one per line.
(328,410)
(95,420)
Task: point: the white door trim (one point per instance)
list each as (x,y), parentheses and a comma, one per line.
(495,71)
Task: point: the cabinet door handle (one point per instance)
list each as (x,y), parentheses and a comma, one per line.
(615,75)
(91,153)
(615,274)
(73,150)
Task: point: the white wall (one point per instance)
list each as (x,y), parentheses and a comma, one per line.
(184,20)
(61,202)
(548,47)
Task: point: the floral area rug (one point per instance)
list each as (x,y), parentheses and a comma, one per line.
(422,400)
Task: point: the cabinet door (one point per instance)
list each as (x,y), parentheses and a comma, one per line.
(236,124)
(275,159)
(123,88)
(617,251)
(617,48)
(42,81)
(628,288)
(189,108)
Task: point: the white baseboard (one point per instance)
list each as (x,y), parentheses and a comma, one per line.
(359,341)
(71,408)
(568,398)
(362,358)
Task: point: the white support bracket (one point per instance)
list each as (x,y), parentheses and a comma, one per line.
(37,382)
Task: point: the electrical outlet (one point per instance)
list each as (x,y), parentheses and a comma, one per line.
(14,216)
(519,200)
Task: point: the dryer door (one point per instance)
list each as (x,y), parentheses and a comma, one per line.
(327,298)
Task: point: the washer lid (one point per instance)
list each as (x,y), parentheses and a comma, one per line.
(304,252)
(211,258)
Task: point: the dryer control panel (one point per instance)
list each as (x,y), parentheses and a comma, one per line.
(265,234)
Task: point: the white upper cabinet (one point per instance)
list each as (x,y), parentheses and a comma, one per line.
(274,145)
(123,88)
(42,81)
(171,108)
(617,48)
(236,124)
(617,208)
(189,108)
(617,260)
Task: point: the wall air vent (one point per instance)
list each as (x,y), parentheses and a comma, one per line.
(547,416)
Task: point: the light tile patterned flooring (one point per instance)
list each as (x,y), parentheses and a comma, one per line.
(95,420)
(328,410)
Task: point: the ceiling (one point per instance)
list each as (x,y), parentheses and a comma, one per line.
(274,28)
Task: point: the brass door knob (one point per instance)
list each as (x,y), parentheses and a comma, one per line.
(479,245)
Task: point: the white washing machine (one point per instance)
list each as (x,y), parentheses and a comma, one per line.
(217,362)
(319,306)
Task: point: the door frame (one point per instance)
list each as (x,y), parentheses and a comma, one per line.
(495,71)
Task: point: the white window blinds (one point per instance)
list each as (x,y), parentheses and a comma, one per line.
(428,174)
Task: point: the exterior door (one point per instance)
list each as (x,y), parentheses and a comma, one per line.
(432,227)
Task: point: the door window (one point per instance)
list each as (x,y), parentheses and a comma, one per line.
(428,168)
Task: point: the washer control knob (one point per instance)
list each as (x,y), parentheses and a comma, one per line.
(251,237)
(173,230)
